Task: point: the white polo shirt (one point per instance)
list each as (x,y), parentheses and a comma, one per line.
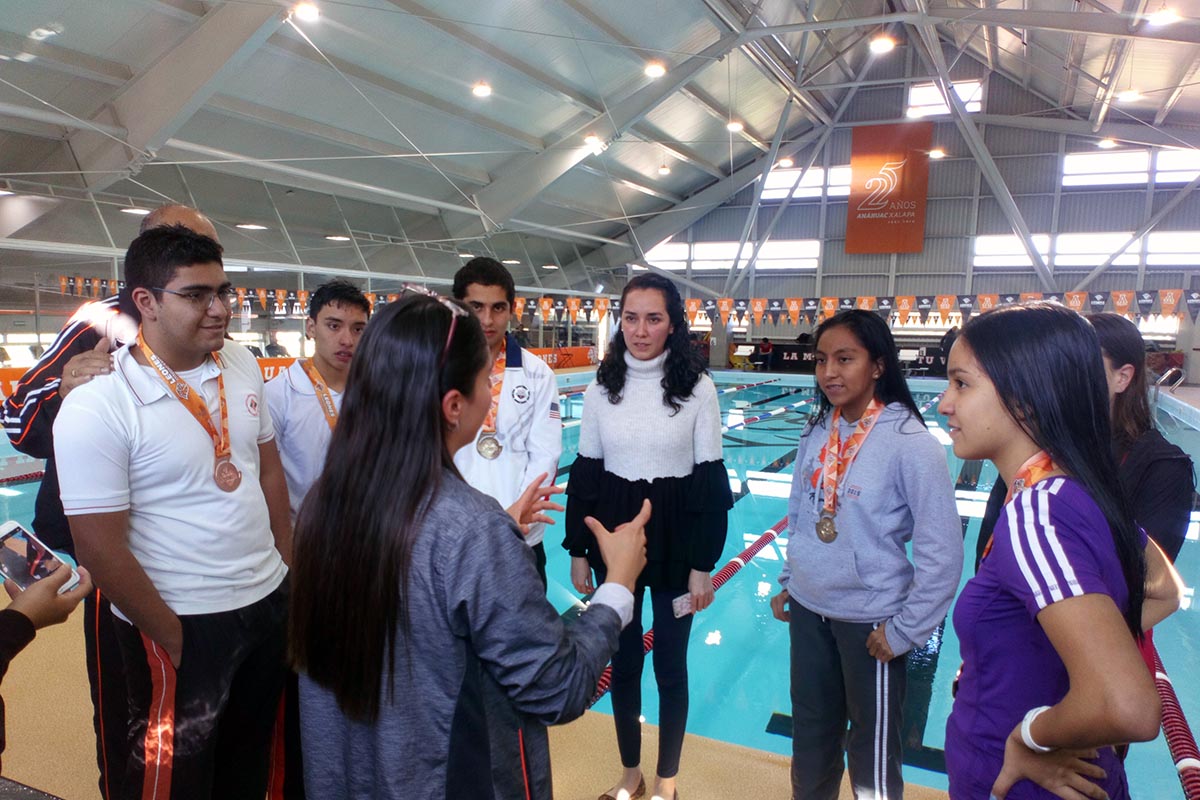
(301,432)
(122,441)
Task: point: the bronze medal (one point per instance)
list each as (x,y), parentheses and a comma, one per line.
(227,476)
(826,529)
(489,447)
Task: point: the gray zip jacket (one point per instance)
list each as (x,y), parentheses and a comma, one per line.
(486,666)
(897,491)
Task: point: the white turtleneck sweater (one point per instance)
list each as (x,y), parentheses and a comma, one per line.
(641,437)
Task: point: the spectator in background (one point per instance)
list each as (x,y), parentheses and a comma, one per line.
(762,357)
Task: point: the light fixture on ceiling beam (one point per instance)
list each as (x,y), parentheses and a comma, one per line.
(306,12)
(1129,95)
(250,226)
(937,152)
(664,169)
(882,44)
(595,144)
(482,89)
(733,126)
(655,69)
(785,163)
(466,255)
(512,262)
(1164,16)
(4,192)
(337,238)
(137,212)
(549,266)
(1106,144)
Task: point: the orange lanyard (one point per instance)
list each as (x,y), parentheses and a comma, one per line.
(497,381)
(838,458)
(1036,468)
(324,396)
(192,400)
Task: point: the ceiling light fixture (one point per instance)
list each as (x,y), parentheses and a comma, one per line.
(4,192)
(250,226)
(882,44)
(549,266)
(1129,96)
(664,169)
(482,89)
(733,126)
(937,152)
(466,255)
(1164,16)
(594,143)
(512,262)
(337,238)
(655,70)
(306,12)
(137,212)
(786,163)
(1106,144)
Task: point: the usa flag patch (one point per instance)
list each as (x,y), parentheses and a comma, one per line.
(554,411)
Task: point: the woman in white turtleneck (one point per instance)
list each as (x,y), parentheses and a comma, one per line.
(651,430)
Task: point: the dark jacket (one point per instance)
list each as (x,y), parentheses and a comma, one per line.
(1158,480)
(16,631)
(486,665)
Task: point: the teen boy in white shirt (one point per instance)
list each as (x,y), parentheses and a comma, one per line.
(306,397)
(177,503)
(521,437)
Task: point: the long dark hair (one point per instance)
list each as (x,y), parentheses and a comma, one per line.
(1044,361)
(683,366)
(1122,342)
(355,532)
(875,337)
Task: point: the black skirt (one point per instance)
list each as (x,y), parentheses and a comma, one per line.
(688,522)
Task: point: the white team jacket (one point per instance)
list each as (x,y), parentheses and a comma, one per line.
(528,427)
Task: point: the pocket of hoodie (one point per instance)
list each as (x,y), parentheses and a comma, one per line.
(831,567)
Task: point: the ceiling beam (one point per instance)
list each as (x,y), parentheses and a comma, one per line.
(62,59)
(157,103)
(1186,77)
(1118,54)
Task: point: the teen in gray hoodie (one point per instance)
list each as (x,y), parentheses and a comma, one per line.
(855,602)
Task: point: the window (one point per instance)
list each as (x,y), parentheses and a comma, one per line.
(1092,249)
(1173,249)
(1007,250)
(1107,169)
(800,254)
(669,256)
(779,181)
(1177,166)
(925,99)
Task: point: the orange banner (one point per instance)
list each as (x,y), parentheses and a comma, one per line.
(563,357)
(829,307)
(62,284)
(262,298)
(945,304)
(889,180)
(865,303)
(518,307)
(302,299)
(904,306)
(281,300)
(691,307)
(758,307)
(546,305)
(573,304)
(725,306)
(1121,301)
(601,308)
(1029,297)
(1076,301)
(241,298)
(1170,301)
(96,283)
(391,298)
(794,306)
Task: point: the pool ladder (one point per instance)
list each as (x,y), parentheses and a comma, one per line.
(1167,375)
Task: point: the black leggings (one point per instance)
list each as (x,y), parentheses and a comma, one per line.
(670,670)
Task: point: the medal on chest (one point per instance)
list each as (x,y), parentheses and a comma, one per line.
(836,464)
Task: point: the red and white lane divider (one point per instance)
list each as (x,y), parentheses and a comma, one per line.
(726,572)
(571,395)
(777,412)
(1177,732)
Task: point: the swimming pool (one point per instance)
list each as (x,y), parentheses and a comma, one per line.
(738,654)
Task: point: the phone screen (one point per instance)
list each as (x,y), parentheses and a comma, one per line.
(24,559)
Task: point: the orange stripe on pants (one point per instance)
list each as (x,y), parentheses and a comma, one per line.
(159,746)
(276,772)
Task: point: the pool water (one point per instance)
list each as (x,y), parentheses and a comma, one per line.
(738,653)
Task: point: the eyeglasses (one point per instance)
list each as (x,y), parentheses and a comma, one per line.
(203,298)
(456,311)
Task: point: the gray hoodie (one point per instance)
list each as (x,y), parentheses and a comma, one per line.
(897,490)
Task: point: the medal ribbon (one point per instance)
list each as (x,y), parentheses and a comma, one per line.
(838,457)
(1036,468)
(497,381)
(324,396)
(192,400)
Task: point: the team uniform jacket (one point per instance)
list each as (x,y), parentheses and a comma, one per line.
(528,427)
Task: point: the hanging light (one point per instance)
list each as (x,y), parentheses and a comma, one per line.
(306,12)
(654,69)
(1164,16)
(733,126)
(882,44)
(937,152)
(1106,144)
(664,169)
(482,89)
(786,163)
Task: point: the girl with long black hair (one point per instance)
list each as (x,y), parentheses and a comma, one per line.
(869,480)
(418,621)
(1051,674)
(652,430)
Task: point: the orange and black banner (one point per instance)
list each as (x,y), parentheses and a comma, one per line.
(1076,301)
(904,307)
(1145,303)
(601,308)
(518,307)
(946,304)
(546,305)
(1121,301)
(829,307)
(758,307)
(262,298)
(865,303)
(691,307)
(573,304)
(724,307)
(794,306)
(1169,300)
(987,302)
(1029,297)
(302,300)
(889,181)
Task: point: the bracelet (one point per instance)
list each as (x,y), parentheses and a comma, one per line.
(1027,733)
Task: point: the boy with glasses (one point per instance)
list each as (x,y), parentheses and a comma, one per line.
(178,506)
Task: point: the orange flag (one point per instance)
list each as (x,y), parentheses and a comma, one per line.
(758,307)
(987,301)
(281,299)
(1170,300)
(262,298)
(794,306)
(546,304)
(945,304)
(1121,301)
(601,308)
(518,307)
(829,307)
(904,306)
(1027,297)
(1076,301)
(725,306)
(691,307)
(865,303)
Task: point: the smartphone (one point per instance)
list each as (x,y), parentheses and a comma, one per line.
(682,605)
(25,559)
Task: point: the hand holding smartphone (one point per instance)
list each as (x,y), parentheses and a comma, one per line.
(682,605)
(24,559)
